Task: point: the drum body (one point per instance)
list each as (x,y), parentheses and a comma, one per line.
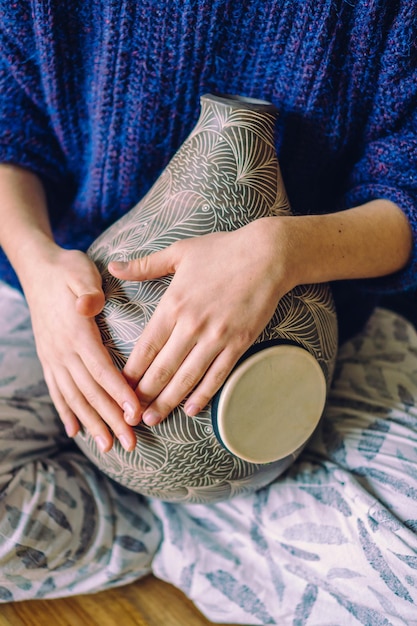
(225,175)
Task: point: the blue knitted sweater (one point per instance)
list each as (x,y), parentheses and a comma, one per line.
(96,97)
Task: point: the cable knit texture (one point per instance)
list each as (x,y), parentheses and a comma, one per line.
(97,96)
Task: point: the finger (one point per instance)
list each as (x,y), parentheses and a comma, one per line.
(92,405)
(153,265)
(150,343)
(87,288)
(76,402)
(69,420)
(167,363)
(90,304)
(185,379)
(214,378)
(98,363)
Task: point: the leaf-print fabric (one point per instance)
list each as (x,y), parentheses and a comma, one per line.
(63,528)
(331,543)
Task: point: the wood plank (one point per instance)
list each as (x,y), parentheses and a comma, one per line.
(147,602)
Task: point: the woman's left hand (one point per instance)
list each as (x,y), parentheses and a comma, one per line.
(224,290)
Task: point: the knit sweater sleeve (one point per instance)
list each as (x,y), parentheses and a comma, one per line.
(387,167)
(26,135)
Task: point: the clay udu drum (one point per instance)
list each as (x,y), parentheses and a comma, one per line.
(225,175)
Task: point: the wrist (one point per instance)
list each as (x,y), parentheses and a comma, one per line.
(368,241)
(33,253)
(273,239)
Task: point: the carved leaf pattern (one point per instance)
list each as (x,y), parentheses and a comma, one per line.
(225,175)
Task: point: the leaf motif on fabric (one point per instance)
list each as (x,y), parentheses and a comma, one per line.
(7,424)
(405,396)
(31,486)
(56,515)
(301,554)
(6,595)
(7,380)
(411,524)
(260,500)
(19,581)
(46,588)
(225,551)
(315,533)
(36,390)
(380,565)
(241,595)
(410,560)
(286,509)
(409,466)
(176,534)
(305,606)
(21,433)
(103,554)
(206,524)
(130,543)
(64,496)
(392,357)
(400,329)
(89,523)
(358,404)
(376,380)
(31,558)
(5,453)
(397,484)
(334,442)
(388,606)
(373,438)
(259,541)
(378,515)
(330,497)
(29,527)
(365,615)
(276,576)
(133,518)
(186,578)
(342,572)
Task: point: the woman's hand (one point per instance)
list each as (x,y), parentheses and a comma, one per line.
(226,287)
(63,290)
(224,291)
(64,295)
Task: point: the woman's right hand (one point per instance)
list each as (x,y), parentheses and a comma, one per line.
(64,294)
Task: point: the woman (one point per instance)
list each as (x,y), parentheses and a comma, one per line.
(95,100)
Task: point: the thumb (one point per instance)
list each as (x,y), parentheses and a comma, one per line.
(89,294)
(154,265)
(90,304)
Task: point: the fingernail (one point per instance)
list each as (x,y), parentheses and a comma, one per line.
(126,443)
(101,443)
(70,430)
(151,418)
(119,265)
(192,410)
(129,414)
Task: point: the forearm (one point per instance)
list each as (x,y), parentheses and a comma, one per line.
(64,294)
(368,241)
(25,231)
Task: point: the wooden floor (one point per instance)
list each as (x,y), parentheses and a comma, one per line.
(148,602)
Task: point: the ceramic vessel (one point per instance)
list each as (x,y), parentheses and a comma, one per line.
(225,175)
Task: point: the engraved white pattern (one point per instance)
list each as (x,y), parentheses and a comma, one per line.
(224,176)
